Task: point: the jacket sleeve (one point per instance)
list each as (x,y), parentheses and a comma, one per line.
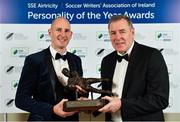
(156,94)
(27,86)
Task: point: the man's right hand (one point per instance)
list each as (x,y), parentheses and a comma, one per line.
(58,109)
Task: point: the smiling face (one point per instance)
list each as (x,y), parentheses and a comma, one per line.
(60,33)
(121,35)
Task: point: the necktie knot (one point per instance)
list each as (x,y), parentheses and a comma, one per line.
(59,56)
(119,58)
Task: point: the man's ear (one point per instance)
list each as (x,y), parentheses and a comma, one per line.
(133,31)
(71,35)
(49,31)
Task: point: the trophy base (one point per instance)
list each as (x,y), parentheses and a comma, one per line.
(83,105)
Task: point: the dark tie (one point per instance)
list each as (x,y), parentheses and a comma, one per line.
(119,58)
(59,56)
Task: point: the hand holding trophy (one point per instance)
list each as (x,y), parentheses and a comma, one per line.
(85,83)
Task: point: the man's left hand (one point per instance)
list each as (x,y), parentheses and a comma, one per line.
(113,105)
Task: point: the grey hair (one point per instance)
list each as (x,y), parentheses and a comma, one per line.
(115,18)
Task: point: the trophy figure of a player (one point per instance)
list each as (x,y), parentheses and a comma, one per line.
(84,83)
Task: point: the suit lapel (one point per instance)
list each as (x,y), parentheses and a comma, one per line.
(133,60)
(110,69)
(70,61)
(51,72)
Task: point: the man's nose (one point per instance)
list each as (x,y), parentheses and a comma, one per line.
(62,33)
(118,35)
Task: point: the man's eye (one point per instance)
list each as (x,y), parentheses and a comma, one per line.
(122,31)
(58,29)
(113,33)
(67,30)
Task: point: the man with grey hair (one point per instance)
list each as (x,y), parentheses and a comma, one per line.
(139,76)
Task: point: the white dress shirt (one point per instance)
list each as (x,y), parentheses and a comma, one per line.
(118,81)
(59,64)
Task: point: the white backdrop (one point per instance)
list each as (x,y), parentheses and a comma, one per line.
(90,42)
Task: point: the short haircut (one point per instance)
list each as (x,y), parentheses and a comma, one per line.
(115,18)
(59,18)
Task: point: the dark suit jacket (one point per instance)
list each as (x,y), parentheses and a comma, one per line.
(36,92)
(146,87)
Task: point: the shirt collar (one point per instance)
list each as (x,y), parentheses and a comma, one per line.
(53,52)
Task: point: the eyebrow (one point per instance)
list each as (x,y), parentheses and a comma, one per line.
(118,30)
(66,29)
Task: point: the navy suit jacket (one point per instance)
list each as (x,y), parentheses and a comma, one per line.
(146,87)
(36,91)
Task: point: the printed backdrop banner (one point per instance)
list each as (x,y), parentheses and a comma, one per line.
(24,25)
(92,11)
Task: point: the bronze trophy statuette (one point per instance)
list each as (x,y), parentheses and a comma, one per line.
(84,83)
